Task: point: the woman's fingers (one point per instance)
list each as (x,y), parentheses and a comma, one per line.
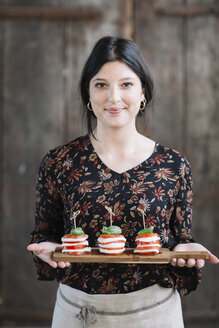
(46,247)
(36,248)
(32,247)
(44,251)
(213,259)
(67,264)
(39,250)
(200,263)
(181,262)
(178,262)
(174,261)
(53,264)
(63,264)
(190,263)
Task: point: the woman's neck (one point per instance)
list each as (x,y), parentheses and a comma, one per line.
(121,141)
(121,149)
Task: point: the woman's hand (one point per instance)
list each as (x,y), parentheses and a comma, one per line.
(192,262)
(44,251)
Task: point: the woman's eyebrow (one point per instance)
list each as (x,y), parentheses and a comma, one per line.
(124,78)
(127,78)
(99,79)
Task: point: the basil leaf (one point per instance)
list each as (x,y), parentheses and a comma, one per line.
(112,230)
(77,232)
(146,230)
(104,230)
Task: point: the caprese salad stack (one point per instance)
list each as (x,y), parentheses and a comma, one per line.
(111,241)
(148,243)
(76,242)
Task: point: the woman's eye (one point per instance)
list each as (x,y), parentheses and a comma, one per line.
(127,84)
(100,85)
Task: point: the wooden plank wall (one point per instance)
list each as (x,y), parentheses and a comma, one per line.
(179,41)
(41,57)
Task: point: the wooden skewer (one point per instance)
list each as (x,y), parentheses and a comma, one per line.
(143,214)
(111,214)
(74,215)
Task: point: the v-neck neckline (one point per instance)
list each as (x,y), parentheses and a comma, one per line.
(146,161)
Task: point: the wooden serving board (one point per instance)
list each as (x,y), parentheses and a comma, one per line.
(128,256)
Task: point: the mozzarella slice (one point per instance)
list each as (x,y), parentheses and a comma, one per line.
(148,239)
(73,239)
(81,250)
(154,245)
(111,251)
(112,245)
(108,240)
(75,244)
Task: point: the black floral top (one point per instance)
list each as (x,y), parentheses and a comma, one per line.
(72,177)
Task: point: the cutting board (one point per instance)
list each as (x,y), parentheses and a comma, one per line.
(128,256)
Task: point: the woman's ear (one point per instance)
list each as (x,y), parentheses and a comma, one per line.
(143,94)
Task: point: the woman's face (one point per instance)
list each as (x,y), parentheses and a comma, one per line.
(115,95)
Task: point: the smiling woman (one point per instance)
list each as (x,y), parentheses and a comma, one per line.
(115,166)
(110,50)
(115,96)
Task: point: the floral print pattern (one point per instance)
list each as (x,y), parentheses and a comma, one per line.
(72,177)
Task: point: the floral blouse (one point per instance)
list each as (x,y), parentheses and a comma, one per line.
(72,177)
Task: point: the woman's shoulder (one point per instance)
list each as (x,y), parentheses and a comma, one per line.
(171,155)
(67,150)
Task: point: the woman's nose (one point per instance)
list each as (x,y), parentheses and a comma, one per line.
(114,94)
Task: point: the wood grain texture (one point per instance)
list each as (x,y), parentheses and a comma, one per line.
(183,53)
(203,145)
(41,63)
(33,124)
(81,14)
(128,256)
(160,39)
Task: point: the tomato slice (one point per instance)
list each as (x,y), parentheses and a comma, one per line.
(141,243)
(74,236)
(74,247)
(146,235)
(151,250)
(112,249)
(73,242)
(117,241)
(148,247)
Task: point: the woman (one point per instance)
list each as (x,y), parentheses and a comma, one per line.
(115,166)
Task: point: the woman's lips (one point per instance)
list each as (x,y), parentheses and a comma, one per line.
(114,110)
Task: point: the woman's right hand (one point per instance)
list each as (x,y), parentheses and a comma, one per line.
(44,251)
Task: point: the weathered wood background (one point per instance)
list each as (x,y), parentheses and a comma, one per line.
(43,46)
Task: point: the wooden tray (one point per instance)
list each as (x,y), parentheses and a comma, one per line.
(128,256)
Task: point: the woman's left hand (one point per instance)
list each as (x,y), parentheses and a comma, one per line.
(192,262)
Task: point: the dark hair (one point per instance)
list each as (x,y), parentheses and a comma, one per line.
(109,49)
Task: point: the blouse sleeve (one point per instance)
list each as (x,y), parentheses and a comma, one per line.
(181,219)
(185,279)
(48,215)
